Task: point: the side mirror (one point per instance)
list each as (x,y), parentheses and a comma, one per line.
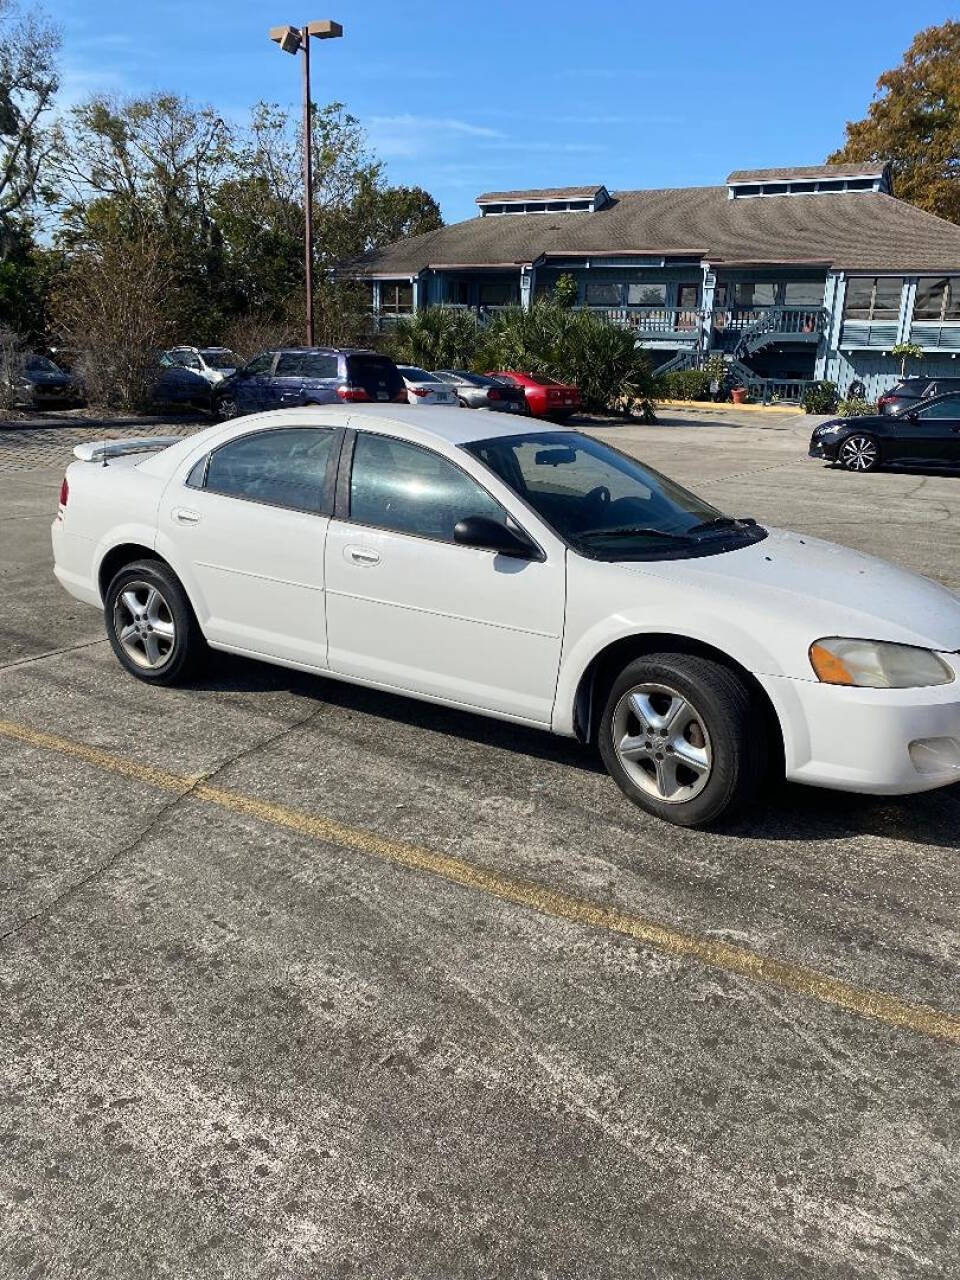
(489,535)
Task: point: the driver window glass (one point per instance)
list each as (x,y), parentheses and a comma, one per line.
(399,486)
(261,364)
(288,366)
(942,409)
(282,468)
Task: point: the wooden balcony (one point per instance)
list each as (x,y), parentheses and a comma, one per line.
(656,326)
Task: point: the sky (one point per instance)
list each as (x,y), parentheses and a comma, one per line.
(482,95)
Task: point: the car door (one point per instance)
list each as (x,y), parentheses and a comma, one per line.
(320,372)
(930,432)
(286,383)
(251,385)
(249,522)
(410,609)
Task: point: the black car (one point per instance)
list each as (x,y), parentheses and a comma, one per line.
(38,383)
(925,435)
(911,391)
(309,375)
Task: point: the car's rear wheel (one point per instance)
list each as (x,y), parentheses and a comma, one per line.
(151,623)
(683,738)
(859,453)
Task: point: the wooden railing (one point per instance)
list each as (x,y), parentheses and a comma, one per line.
(799,320)
(682,321)
(777,390)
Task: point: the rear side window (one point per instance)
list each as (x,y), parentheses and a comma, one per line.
(282,468)
(378,376)
(400,486)
(320,366)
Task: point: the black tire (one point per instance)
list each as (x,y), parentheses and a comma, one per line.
(227,409)
(859,452)
(724,715)
(176,659)
(462,403)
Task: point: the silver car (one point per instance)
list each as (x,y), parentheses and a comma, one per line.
(476,391)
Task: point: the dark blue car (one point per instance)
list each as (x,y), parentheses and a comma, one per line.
(309,375)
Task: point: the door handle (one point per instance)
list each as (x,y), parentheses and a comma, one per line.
(184,516)
(362,555)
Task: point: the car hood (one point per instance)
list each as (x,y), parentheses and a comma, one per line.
(42,379)
(805,588)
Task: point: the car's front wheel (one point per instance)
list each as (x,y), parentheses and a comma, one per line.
(859,453)
(227,408)
(151,624)
(683,738)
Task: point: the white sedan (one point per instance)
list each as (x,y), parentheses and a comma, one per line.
(426,388)
(536,575)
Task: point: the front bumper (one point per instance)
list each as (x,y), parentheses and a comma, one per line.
(825,447)
(880,741)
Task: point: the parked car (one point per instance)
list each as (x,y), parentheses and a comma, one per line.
(38,383)
(425,388)
(545,397)
(536,575)
(911,391)
(189,375)
(924,435)
(477,391)
(309,375)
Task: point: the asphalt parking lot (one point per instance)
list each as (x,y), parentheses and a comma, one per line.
(301,980)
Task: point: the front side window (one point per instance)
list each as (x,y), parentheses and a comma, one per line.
(946,408)
(399,486)
(285,468)
(605,504)
(260,364)
(288,366)
(873,298)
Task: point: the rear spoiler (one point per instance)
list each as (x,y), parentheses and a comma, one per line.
(104,450)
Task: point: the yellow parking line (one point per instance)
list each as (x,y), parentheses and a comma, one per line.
(878,1005)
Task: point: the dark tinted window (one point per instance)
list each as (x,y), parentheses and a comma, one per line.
(946,408)
(376,374)
(284,468)
(400,486)
(288,366)
(260,364)
(319,366)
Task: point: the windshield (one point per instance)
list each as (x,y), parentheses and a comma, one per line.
(40,364)
(416,375)
(608,505)
(222,359)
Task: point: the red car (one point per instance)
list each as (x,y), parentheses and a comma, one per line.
(545,397)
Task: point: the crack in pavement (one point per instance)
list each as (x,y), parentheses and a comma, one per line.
(200,780)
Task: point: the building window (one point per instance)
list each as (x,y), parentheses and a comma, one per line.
(753,293)
(396,296)
(873,298)
(599,293)
(647,295)
(498,293)
(938,299)
(803,293)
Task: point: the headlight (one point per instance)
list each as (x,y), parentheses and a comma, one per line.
(875,664)
(831,428)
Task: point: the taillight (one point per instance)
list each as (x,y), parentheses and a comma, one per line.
(884,400)
(420,391)
(352,394)
(494,394)
(401,397)
(64,492)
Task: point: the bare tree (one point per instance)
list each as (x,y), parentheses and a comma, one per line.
(29,46)
(113,304)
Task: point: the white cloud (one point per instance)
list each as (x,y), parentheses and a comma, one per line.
(410,136)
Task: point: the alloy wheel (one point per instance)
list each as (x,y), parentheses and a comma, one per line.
(228,408)
(662,743)
(144,625)
(859,453)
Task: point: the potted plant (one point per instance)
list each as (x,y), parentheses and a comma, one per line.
(738,394)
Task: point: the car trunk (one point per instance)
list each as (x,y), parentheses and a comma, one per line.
(377,376)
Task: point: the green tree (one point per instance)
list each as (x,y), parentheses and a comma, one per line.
(914,122)
(29,46)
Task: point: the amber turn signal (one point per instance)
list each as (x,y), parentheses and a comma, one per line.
(829,668)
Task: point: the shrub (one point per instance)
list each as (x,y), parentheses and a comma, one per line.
(436,338)
(565,291)
(685,384)
(601,358)
(857,408)
(820,398)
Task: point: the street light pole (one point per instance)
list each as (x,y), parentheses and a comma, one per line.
(297,40)
(307,183)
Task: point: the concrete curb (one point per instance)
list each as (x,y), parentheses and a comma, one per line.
(709,406)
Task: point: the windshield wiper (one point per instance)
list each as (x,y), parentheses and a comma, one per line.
(721,522)
(630,531)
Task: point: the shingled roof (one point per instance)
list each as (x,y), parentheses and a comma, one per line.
(807,173)
(856,231)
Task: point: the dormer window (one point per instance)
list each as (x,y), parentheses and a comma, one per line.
(555,200)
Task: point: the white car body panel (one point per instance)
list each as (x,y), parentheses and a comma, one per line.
(513,638)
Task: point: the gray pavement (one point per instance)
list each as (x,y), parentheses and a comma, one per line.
(258,1021)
